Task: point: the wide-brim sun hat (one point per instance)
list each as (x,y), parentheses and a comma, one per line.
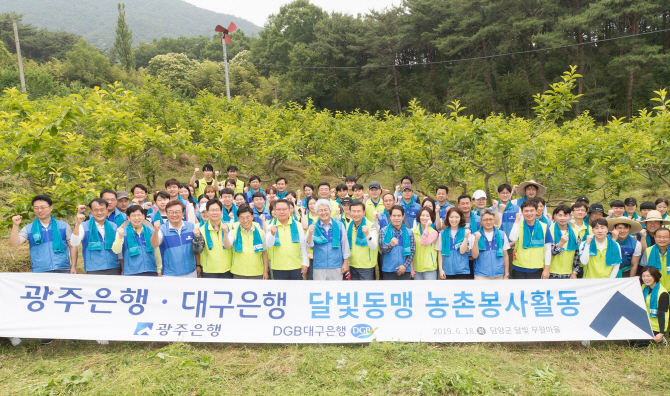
(655,215)
(635,227)
(521,190)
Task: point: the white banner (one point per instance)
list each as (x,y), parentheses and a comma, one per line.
(126,308)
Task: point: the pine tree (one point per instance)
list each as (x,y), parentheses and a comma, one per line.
(123,46)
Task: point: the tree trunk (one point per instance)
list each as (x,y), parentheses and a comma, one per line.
(489,81)
(629,95)
(543,77)
(395,80)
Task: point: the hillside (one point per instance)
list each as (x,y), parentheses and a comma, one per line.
(95,20)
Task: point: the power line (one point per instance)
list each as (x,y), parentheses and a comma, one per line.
(459,60)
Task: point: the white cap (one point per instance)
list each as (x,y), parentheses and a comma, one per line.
(479,194)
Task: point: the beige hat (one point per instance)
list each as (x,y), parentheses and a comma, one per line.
(635,227)
(655,215)
(521,190)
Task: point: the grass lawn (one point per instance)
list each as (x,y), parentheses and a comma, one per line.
(379,368)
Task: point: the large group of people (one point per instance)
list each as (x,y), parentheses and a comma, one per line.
(230,229)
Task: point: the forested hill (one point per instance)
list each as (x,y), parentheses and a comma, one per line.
(95,20)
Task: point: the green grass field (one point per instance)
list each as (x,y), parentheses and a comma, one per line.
(64,368)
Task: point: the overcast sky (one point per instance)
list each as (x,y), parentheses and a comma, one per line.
(257,11)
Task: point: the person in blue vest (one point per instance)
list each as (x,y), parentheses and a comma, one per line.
(49,243)
(441,201)
(48,253)
(114,215)
(490,249)
(479,200)
(623,231)
(405,181)
(254,188)
(133,242)
(122,201)
(454,245)
(507,211)
(472,223)
(97,237)
(397,245)
(328,239)
(175,240)
(308,189)
(409,204)
(259,208)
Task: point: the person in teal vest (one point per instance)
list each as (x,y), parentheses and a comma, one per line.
(600,255)
(657,256)
(490,250)
(207,180)
(97,237)
(454,245)
(630,208)
(527,190)
(363,242)
(49,243)
(288,248)
(425,257)
(397,244)
(623,231)
(662,206)
(329,243)
(247,239)
(281,183)
(653,221)
(565,262)
(114,215)
(657,301)
(617,209)
(533,244)
(229,208)
(133,242)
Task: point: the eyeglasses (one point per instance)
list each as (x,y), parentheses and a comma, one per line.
(99,210)
(174,212)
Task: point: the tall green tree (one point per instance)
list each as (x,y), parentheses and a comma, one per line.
(123,46)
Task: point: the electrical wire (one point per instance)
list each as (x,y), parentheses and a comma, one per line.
(458,60)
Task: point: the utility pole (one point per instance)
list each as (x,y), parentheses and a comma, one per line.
(225,65)
(18,54)
(275,92)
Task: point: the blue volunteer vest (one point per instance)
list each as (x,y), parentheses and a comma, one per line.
(325,256)
(177,250)
(456,263)
(98,260)
(508,217)
(411,211)
(488,264)
(627,250)
(42,256)
(394,259)
(143,262)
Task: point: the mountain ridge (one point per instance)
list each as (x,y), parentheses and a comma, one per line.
(95,20)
